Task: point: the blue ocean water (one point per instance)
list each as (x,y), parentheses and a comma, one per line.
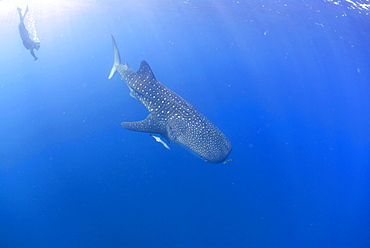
(287,81)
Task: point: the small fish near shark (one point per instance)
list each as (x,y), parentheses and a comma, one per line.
(170,115)
(159,140)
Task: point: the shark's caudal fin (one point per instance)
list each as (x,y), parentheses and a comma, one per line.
(117,58)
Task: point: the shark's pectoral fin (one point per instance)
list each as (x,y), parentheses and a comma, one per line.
(149,125)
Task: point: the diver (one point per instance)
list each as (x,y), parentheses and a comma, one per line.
(29,44)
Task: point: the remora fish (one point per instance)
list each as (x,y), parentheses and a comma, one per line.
(158,139)
(170,115)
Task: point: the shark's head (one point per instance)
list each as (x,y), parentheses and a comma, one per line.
(200,137)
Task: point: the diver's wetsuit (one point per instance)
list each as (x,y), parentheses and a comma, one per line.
(28,43)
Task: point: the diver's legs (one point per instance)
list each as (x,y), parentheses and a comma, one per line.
(25,11)
(20,14)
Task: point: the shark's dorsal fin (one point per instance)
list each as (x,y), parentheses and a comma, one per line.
(145,70)
(149,125)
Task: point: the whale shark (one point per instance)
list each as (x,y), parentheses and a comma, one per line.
(170,115)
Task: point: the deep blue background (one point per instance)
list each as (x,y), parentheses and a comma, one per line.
(287,81)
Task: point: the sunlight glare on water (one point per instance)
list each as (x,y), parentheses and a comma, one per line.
(359,5)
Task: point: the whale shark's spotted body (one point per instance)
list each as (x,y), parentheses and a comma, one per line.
(170,115)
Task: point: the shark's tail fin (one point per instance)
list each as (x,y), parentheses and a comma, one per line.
(117,59)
